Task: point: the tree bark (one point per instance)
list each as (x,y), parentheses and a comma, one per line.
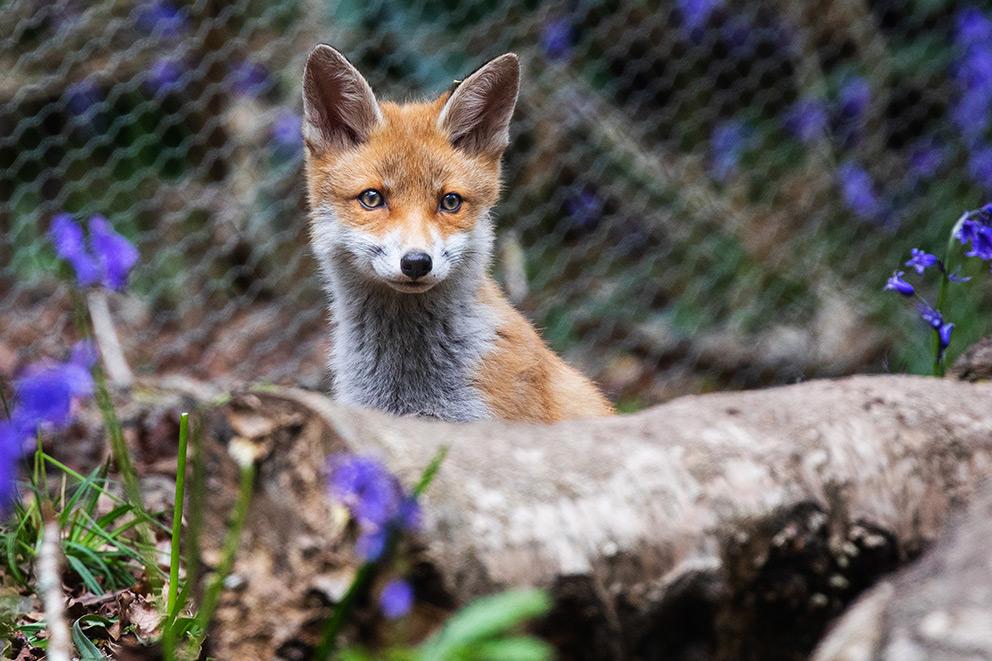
(727,526)
(939,608)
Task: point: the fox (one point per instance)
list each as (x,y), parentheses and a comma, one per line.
(401,198)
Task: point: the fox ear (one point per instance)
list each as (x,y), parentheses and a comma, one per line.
(477,114)
(339,108)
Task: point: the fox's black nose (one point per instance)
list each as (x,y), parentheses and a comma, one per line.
(415,264)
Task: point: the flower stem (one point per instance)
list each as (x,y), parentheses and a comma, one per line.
(177,526)
(945,272)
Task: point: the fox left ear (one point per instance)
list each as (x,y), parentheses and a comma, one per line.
(477,114)
(339,108)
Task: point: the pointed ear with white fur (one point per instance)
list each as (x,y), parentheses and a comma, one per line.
(339,108)
(477,114)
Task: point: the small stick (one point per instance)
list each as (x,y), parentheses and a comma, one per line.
(50,587)
(106,338)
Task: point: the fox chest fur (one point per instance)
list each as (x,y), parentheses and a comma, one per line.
(414,355)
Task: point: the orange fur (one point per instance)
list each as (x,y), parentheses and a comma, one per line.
(412,161)
(522,379)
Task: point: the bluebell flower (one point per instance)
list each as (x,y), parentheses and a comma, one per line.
(10,451)
(858,190)
(81,97)
(696,14)
(286,134)
(930,315)
(807,120)
(375,500)
(973,28)
(165,75)
(366,488)
(957,277)
(854,98)
(921,261)
(557,39)
(976,230)
(248,78)
(973,72)
(584,209)
(45,395)
(925,160)
(727,144)
(161,18)
(897,284)
(396,599)
(371,544)
(108,259)
(70,245)
(936,321)
(980,166)
(116,254)
(944,335)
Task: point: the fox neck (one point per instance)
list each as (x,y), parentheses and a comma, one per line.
(411,353)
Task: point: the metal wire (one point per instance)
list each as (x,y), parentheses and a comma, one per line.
(700,194)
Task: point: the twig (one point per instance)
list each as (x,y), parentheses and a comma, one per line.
(50,587)
(106,337)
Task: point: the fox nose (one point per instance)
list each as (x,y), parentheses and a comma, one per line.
(415,264)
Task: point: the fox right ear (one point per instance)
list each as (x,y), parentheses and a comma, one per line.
(339,108)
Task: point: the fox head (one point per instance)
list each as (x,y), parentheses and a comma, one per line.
(401,193)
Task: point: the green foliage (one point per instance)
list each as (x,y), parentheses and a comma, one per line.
(475,632)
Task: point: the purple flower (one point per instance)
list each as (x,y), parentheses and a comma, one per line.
(980,166)
(557,39)
(108,260)
(944,335)
(161,18)
(854,98)
(372,544)
(729,140)
(165,75)
(116,255)
(375,499)
(921,261)
(70,245)
(925,160)
(10,450)
(584,209)
(897,284)
(930,315)
(976,230)
(696,13)
(83,96)
(957,277)
(248,78)
(807,120)
(858,191)
(396,599)
(45,395)
(366,488)
(286,133)
(973,28)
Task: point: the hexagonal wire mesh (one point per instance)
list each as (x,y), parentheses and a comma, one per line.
(700,194)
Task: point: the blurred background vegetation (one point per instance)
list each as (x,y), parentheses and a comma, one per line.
(700,194)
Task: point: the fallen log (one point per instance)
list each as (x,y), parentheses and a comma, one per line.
(725,526)
(938,608)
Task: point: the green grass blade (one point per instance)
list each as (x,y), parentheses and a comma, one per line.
(87,650)
(84,573)
(177,512)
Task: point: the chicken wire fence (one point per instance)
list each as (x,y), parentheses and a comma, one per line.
(699,194)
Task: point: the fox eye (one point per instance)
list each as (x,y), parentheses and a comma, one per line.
(451,202)
(371,199)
